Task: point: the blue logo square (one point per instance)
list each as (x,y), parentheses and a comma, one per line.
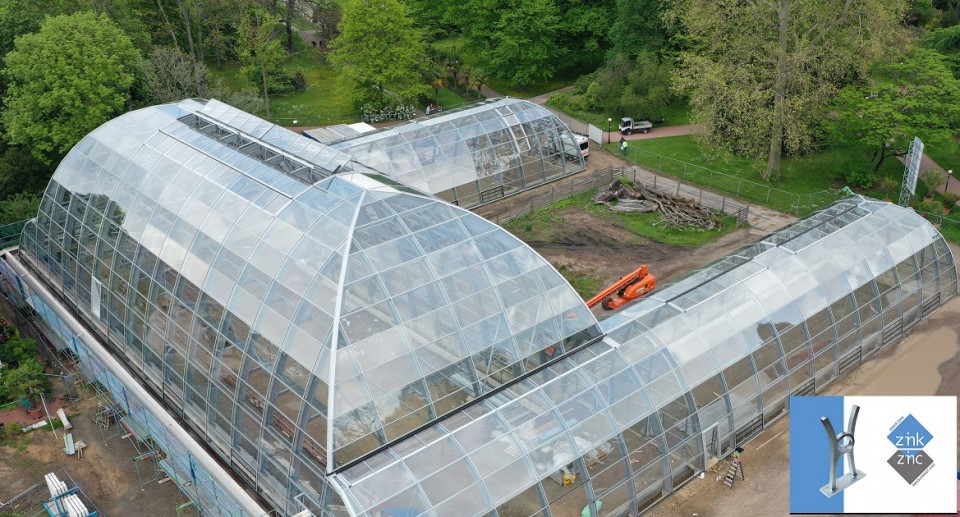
(909,436)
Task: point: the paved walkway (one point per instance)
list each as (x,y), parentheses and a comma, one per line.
(953,181)
(13,413)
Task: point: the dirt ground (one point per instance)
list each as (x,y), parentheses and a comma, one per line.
(105,474)
(596,247)
(926,362)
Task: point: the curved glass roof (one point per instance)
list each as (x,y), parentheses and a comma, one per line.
(722,346)
(475,154)
(395,299)
(320,323)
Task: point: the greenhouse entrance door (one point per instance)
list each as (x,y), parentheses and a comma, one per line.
(711,445)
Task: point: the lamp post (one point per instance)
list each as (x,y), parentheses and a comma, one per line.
(609,120)
(947,184)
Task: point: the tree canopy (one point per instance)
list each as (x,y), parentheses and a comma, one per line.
(758,73)
(638,26)
(63,81)
(918,96)
(381,51)
(260,52)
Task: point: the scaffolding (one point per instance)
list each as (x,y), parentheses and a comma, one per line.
(108,414)
(147,450)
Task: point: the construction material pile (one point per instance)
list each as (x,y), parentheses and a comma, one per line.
(678,213)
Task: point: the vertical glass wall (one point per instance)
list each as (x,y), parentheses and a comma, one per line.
(473,155)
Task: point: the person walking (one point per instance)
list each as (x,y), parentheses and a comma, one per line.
(623,146)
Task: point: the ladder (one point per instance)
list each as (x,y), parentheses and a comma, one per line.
(736,469)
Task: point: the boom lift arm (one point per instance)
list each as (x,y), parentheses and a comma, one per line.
(625,290)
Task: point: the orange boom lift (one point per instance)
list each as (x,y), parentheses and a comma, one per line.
(627,289)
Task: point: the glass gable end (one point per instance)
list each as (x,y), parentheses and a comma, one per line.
(473,155)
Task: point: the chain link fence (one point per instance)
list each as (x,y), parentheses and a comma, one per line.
(511,208)
(798,204)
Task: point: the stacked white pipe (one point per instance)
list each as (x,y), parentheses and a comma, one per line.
(71,503)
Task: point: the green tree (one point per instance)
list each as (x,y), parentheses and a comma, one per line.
(647,92)
(19,207)
(638,26)
(432,16)
(947,42)
(523,45)
(17,350)
(169,75)
(260,50)
(380,50)
(584,28)
(21,171)
(65,80)
(19,17)
(759,72)
(26,381)
(918,96)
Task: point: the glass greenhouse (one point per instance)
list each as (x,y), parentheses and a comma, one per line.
(475,154)
(347,344)
(680,378)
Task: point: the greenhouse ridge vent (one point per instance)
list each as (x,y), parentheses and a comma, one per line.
(304,327)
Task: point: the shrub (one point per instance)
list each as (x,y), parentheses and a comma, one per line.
(858,178)
(887,185)
(931,207)
(582,83)
(16,350)
(299,81)
(950,199)
(933,179)
(19,207)
(12,430)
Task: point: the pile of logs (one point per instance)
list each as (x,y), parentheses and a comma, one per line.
(675,212)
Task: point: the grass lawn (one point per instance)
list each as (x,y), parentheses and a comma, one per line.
(585,285)
(560,80)
(807,180)
(676,114)
(325,101)
(946,154)
(950,230)
(449,99)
